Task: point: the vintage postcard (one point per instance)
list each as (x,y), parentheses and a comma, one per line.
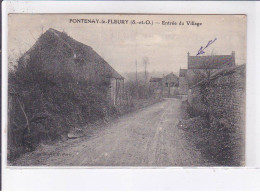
(126,90)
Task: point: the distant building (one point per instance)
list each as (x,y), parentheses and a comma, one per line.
(170,85)
(183,82)
(167,86)
(182,72)
(211,62)
(202,67)
(156,86)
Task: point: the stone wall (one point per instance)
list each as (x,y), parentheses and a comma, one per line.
(226,96)
(223,98)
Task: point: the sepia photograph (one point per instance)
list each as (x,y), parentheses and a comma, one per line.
(126,90)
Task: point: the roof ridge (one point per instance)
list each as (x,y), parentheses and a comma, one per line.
(210,55)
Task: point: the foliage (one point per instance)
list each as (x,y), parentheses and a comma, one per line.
(137,90)
(45,104)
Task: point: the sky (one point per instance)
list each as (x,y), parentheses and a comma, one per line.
(122,45)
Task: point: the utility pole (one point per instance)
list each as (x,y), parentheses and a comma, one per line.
(145,61)
(136,71)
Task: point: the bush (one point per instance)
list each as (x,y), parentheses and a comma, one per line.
(138,90)
(45,104)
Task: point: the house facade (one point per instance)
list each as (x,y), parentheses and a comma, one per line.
(166,87)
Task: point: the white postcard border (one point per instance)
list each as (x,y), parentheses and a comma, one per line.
(147,178)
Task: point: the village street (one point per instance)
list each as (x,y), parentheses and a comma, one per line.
(147,137)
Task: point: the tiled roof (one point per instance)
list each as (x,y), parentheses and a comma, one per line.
(210,62)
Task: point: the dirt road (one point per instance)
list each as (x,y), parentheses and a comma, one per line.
(148,137)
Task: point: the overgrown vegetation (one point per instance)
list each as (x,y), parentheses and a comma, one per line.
(44,104)
(137,96)
(138,90)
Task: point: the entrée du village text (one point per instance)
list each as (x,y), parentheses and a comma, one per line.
(132,22)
